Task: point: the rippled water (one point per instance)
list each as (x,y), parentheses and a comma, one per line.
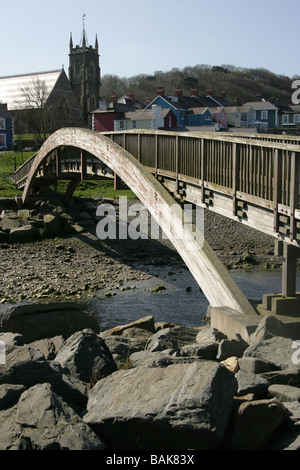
(175,304)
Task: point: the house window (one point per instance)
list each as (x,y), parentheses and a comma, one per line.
(2,123)
(285,119)
(297,118)
(2,140)
(133,124)
(121,124)
(264,115)
(207,117)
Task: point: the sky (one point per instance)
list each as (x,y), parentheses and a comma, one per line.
(142,37)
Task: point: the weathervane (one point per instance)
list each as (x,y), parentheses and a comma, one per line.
(84,37)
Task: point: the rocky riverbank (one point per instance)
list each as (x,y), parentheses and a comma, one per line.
(66,385)
(49,252)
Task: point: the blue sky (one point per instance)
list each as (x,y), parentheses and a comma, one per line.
(138,36)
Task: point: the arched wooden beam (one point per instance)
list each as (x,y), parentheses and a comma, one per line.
(216,283)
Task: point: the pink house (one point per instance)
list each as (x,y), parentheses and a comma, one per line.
(219,116)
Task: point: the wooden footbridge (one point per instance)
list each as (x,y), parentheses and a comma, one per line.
(253,179)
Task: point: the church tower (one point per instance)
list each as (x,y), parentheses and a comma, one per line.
(84,75)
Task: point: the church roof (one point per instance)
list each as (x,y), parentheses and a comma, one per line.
(11,88)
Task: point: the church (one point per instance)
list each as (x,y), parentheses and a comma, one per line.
(43,102)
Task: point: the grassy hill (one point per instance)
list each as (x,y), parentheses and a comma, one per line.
(241,84)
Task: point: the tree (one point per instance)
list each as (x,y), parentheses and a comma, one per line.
(35,110)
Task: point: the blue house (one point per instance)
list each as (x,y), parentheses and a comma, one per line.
(266,115)
(189,111)
(6,128)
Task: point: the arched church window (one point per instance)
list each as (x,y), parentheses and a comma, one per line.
(64,112)
(91,68)
(77,68)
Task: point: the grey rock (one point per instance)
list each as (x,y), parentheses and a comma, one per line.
(284,392)
(278,350)
(164,358)
(122,347)
(231,347)
(52,225)
(182,406)
(28,367)
(43,421)
(9,394)
(256,366)
(46,320)
(49,347)
(251,383)
(209,335)
(207,350)
(7,223)
(255,422)
(269,327)
(86,356)
(171,338)
(285,377)
(287,436)
(137,333)
(146,323)
(23,234)
(12,338)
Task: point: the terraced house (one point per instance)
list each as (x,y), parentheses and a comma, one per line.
(6,128)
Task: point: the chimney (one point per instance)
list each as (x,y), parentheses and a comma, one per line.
(209,92)
(147,101)
(194,92)
(131,95)
(113,98)
(178,92)
(160,91)
(223,94)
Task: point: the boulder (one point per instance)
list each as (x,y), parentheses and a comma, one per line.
(7,223)
(231,347)
(49,347)
(171,338)
(209,335)
(121,347)
(28,367)
(52,226)
(287,436)
(43,421)
(251,383)
(255,422)
(267,328)
(284,392)
(146,323)
(182,406)
(256,366)
(207,350)
(285,377)
(23,234)
(277,350)
(138,334)
(86,356)
(46,320)
(164,358)
(9,394)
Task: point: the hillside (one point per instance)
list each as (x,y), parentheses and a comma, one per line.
(241,85)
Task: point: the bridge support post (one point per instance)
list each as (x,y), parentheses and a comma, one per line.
(290,255)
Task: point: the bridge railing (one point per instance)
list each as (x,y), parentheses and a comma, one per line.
(267,172)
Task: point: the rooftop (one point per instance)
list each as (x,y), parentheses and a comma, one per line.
(11,87)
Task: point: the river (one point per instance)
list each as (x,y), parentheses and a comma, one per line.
(182,302)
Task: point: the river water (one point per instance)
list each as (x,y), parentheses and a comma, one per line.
(182,302)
